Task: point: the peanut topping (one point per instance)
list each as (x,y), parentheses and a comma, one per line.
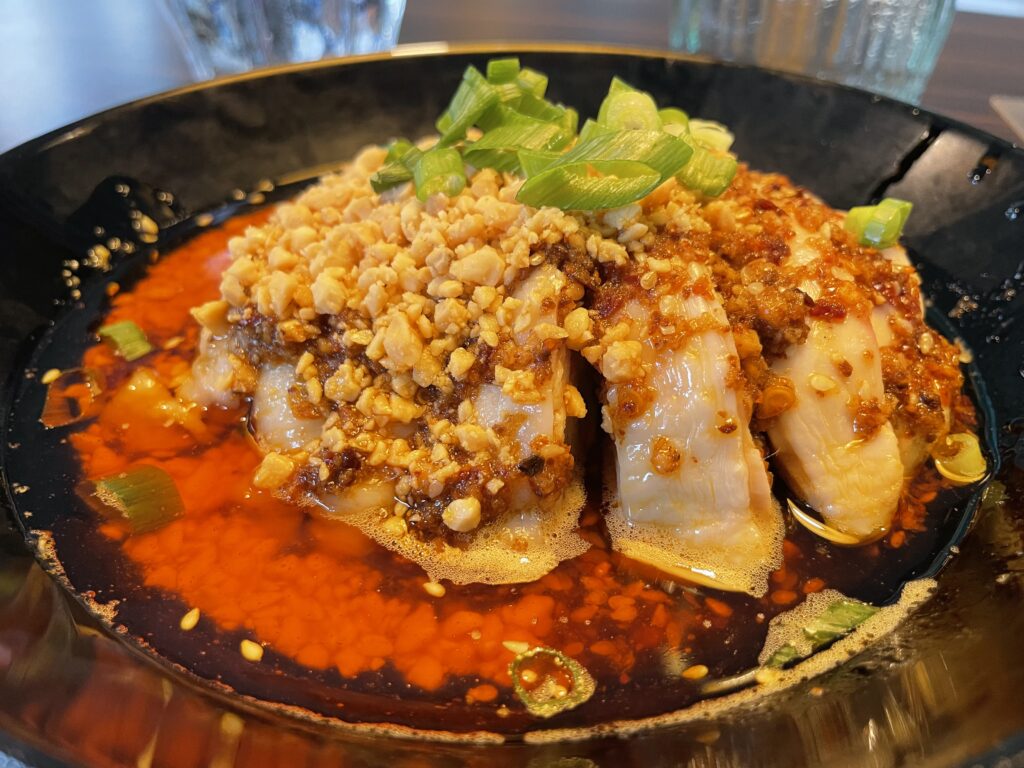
(462,515)
(623,361)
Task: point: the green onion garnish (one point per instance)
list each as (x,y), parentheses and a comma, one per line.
(472,98)
(390,175)
(402,157)
(549,682)
(532,162)
(589,185)
(881,225)
(617,158)
(616,87)
(711,134)
(673,116)
(509,93)
(498,148)
(708,172)
(503,115)
(632,110)
(126,339)
(145,497)
(502,70)
(533,82)
(397,149)
(439,170)
(542,109)
(592,128)
(838,619)
(664,153)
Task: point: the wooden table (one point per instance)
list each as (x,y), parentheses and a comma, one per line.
(64,59)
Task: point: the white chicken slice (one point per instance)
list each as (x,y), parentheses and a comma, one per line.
(275,424)
(545,419)
(853,482)
(209,382)
(693,493)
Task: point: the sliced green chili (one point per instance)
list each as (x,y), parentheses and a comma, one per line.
(549,682)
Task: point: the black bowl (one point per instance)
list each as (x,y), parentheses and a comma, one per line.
(945,687)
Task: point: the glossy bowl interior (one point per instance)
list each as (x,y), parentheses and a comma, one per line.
(947,686)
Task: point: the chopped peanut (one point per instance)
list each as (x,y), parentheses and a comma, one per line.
(462,515)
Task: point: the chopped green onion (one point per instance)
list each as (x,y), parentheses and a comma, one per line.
(630,148)
(570,120)
(592,128)
(509,93)
(548,682)
(708,172)
(498,148)
(145,497)
(673,116)
(533,82)
(530,110)
(501,114)
(397,150)
(616,87)
(711,134)
(664,153)
(126,339)
(786,654)
(532,162)
(399,170)
(632,110)
(879,225)
(473,97)
(589,185)
(390,175)
(836,620)
(439,170)
(542,109)
(502,70)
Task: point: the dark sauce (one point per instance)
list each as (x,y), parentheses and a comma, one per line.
(633,630)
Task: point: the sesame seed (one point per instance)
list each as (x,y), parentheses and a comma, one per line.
(696,672)
(50,376)
(251,651)
(433,589)
(189,620)
(821,383)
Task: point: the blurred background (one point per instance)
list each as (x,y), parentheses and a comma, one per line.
(65,59)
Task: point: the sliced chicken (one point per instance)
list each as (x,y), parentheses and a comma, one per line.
(693,493)
(275,423)
(850,474)
(835,445)
(538,428)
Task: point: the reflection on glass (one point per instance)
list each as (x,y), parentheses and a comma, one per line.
(887,46)
(227,36)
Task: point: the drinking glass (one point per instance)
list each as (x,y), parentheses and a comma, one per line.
(228,36)
(886,46)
